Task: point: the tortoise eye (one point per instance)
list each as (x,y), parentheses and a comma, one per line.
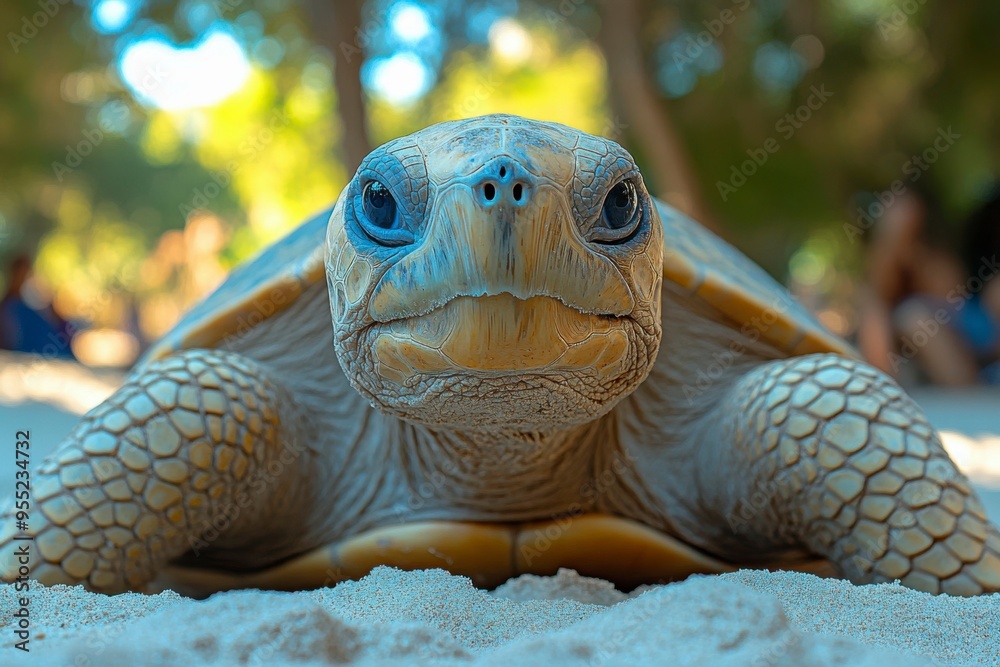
(619,214)
(620,205)
(379,206)
(380,218)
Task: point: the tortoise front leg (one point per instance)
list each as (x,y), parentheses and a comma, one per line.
(152,472)
(830,454)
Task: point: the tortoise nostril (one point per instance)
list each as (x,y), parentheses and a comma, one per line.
(489,191)
(503,171)
(517,192)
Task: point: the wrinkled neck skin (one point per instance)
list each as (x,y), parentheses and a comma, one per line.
(499,474)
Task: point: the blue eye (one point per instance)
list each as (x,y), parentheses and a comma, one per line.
(621,215)
(620,206)
(379,206)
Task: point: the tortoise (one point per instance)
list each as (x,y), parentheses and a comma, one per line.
(518,361)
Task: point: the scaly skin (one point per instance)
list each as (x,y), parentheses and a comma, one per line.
(504,284)
(845,463)
(149,472)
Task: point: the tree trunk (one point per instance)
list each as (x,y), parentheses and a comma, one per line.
(634,99)
(333,26)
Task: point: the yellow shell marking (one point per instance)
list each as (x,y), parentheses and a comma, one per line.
(600,545)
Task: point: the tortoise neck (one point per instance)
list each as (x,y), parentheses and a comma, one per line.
(509,475)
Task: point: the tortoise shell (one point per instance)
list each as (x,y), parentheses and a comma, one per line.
(253,292)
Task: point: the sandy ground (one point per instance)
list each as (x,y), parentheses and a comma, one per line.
(433,618)
(390,617)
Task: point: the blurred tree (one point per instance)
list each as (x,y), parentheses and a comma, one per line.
(78,189)
(652,134)
(337,26)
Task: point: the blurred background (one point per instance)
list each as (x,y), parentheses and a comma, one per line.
(148,146)
(151,145)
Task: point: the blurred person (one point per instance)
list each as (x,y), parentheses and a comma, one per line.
(981,253)
(28,328)
(920,304)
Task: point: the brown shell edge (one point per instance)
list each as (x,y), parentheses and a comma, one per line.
(707,267)
(211,329)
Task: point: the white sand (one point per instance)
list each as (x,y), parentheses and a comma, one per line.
(749,618)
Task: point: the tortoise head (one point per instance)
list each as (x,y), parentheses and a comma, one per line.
(496,273)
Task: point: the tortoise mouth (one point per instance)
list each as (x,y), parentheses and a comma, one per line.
(500,334)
